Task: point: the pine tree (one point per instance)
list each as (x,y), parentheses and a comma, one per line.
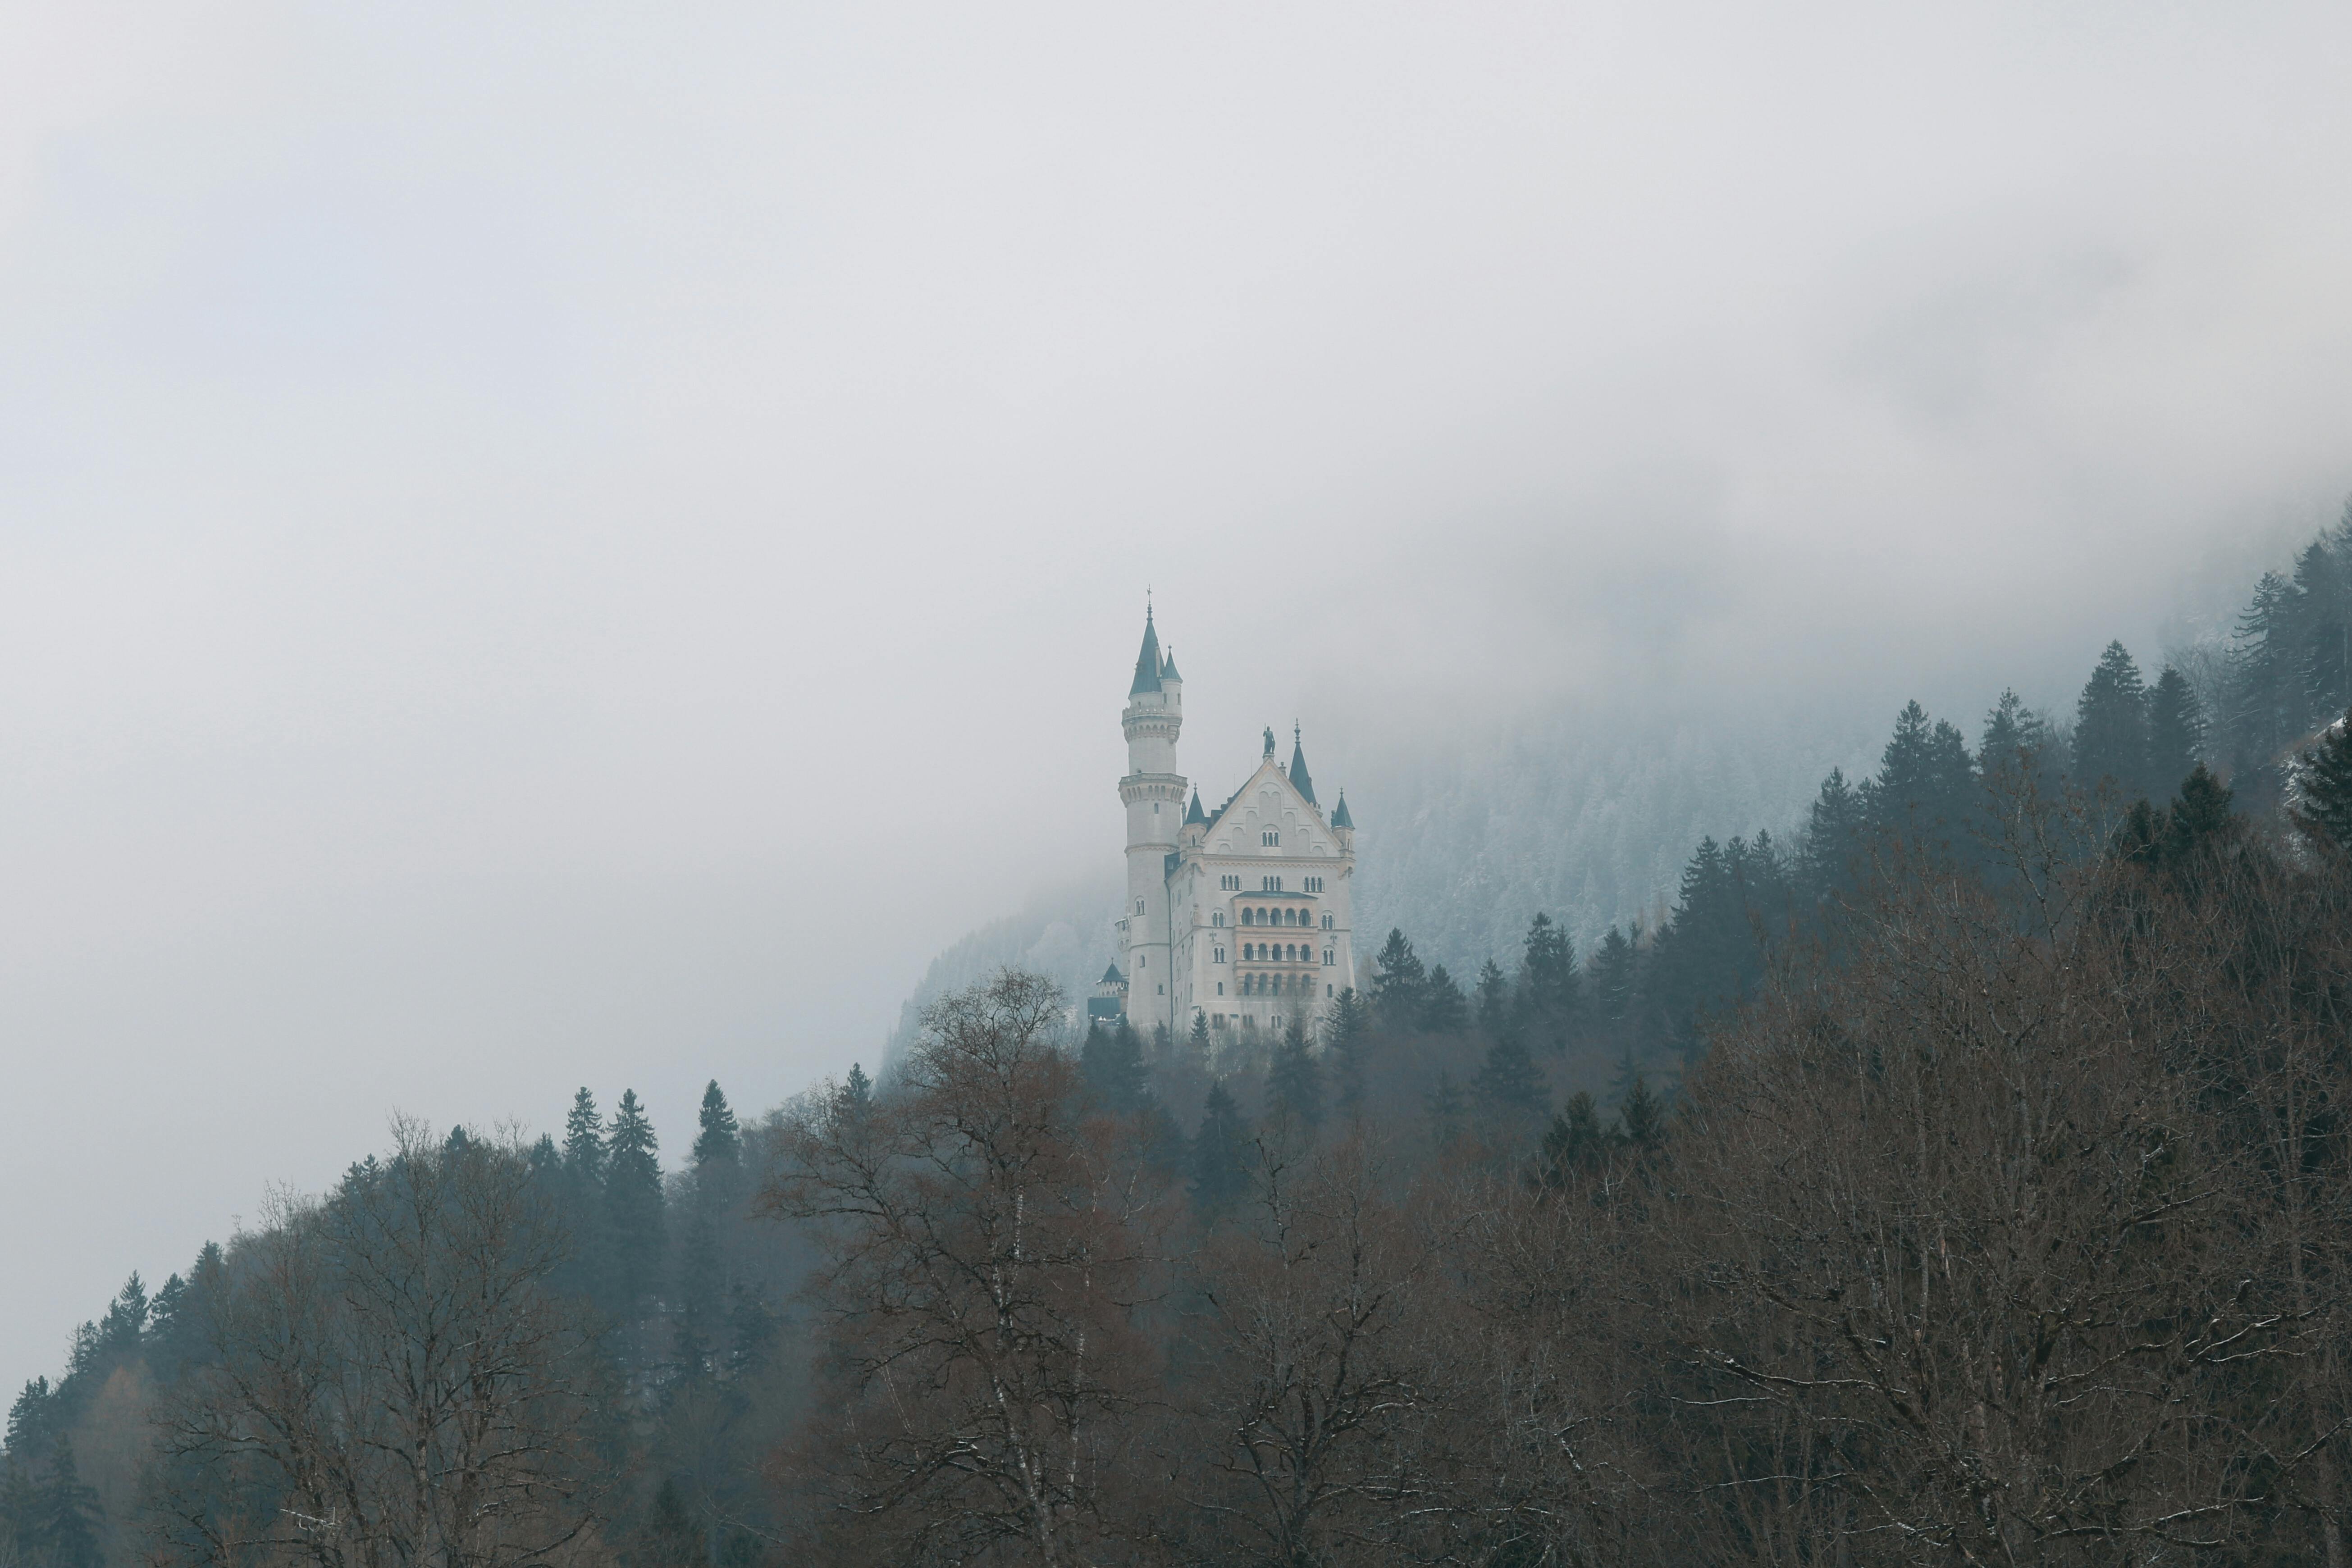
(856,1093)
(720,1137)
(1198,1037)
(20,1510)
(1398,982)
(1925,787)
(1444,1010)
(1511,1085)
(632,1205)
(1833,845)
(2111,723)
(67,1513)
(584,1139)
(1346,1035)
(1614,980)
(2015,738)
(2266,700)
(1446,1108)
(2322,806)
(1641,1116)
(1575,1141)
(1111,1061)
(126,1318)
(2176,734)
(1492,999)
(1548,984)
(1294,1086)
(29,1417)
(1220,1152)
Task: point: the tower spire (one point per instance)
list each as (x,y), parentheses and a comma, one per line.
(1147,660)
(1298,775)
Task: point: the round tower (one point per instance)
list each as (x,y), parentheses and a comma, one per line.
(1153,794)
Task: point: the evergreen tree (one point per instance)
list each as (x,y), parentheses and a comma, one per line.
(1614,980)
(1492,999)
(2014,737)
(29,1417)
(1574,1142)
(584,1139)
(1347,1034)
(1198,1037)
(20,1511)
(1446,1108)
(66,1516)
(856,1092)
(1220,1152)
(1398,982)
(1641,1116)
(126,1318)
(2266,703)
(2321,804)
(1511,1085)
(720,1137)
(1111,1061)
(1925,787)
(2324,631)
(1832,846)
(633,1206)
(2176,734)
(1547,983)
(2111,723)
(1294,1086)
(1444,1010)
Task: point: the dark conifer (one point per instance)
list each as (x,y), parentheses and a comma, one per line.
(1399,982)
(856,1092)
(719,1137)
(1492,999)
(1112,1063)
(1575,1141)
(1447,1108)
(1199,1036)
(1548,984)
(2176,734)
(2111,723)
(67,1520)
(1443,1008)
(1833,845)
(2322,802)
(1511,1085)
(126,1318)
(632,1204)
(1347,1034)
(1925,787)
(1294,1086)
(584,1139)
(1641,1116)
(1220,1152)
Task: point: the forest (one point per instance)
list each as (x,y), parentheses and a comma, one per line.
(1963,1181)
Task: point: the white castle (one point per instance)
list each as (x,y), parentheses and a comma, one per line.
(1239,916)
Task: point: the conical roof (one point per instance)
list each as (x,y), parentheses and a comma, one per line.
(1168,664)
(1340,817)
(1195,814)
(1298,778)
(1111,976)
(1147,663)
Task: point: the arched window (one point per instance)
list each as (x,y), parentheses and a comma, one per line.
(1326,957)
(1327,923)
(1249,917)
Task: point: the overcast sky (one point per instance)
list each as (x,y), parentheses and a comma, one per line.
(563,543)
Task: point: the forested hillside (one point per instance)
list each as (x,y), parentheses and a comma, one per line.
(1962,1176)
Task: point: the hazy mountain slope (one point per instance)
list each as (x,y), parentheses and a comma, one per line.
(1064,933)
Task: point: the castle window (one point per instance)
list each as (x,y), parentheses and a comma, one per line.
(1326,957)
(1138,906)
(1141,959)
(1271,838)
(1313,885)
(1220,954)
(1326,991)
(1218,917)
(1327,923)
(1221,992)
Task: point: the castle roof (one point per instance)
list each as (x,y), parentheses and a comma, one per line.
(1147,662)
(1111,976)
(1167,665)
(1304,785)
(1340,817)
(1194,815)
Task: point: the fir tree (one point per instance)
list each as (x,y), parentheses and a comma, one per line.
(1347,1034)
(2176,734)
(1613,978)
(1641,1116)
(2111,723)
(1111,1061)
(1399,982)
(632,1204)
(1294,1086)
(1832,846)
(1444,1010)
(1925,785)
(856,1093)
(584,1139)
(1510,1084)
(20,1511)
(67,1513)
(29,1417)
(126,1318)
(1575,1141)
(2266,705)
(1198,1037)
(1220,1152)
(1446,1108)
(1492,999)
(1547,983)
(720,1137)
(2321,808)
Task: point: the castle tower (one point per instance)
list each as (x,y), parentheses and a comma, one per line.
(1153,794)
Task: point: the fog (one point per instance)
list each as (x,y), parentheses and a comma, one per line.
(578,544)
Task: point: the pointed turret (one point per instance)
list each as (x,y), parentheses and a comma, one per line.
(1147,662)
(1168,664)
(1340,817)
(1196,816)
(1304,785)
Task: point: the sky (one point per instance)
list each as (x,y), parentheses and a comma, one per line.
(558,544)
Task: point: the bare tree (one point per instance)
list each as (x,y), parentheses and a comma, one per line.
(992,1250)
(391,1381)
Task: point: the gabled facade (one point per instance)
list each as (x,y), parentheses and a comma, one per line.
(1243,916)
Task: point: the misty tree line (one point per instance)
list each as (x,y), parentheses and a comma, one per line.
(1963,1182)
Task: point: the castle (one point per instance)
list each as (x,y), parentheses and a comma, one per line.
(1240,915)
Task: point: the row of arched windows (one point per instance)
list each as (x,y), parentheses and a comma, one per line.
(1278,952)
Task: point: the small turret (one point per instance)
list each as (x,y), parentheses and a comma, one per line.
(1147,662)
(1340,817)
(1298,777)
